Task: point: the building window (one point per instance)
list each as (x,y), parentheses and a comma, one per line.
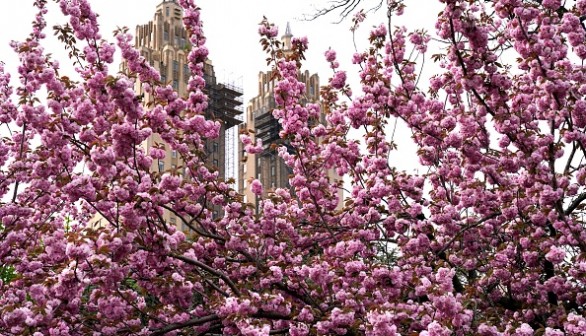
(273,171)
(161,166)
(165,35)
(163,72)
(186,73)
(167,11)
(174,154)
(176,70)
(215,163)
(175,84)
(215,147)
(173,167)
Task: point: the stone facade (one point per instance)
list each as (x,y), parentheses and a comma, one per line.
(267,166)
(165,45)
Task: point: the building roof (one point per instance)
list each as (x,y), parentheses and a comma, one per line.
(288,30)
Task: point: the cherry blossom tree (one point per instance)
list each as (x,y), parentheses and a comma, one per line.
(489,239)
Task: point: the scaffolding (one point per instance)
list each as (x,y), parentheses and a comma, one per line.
(231,147)
(225,104)
(231,141)
(233,98)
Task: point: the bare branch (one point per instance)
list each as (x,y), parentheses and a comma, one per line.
(190,323)
(210,270)
(345,7)
(575,204)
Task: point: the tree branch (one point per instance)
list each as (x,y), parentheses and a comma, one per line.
(575,204)
(190,323)
(209,269)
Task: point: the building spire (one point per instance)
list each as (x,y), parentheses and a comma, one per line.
(286,38)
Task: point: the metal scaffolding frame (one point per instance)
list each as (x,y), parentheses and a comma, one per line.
(231,170)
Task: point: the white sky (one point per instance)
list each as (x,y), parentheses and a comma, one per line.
(231,27)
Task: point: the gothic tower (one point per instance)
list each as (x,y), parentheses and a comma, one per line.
(268,167)
(165,45)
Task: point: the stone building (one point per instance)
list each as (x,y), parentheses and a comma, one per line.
(165,45)
(267,166)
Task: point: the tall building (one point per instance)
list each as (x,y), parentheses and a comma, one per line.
(165,45)
(268,167)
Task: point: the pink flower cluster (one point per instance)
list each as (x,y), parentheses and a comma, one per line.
(486,237)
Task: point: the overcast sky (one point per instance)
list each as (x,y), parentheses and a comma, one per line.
(231,27)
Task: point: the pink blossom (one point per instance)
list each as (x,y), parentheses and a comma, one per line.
(555,254)
(96,240)
(269,31)
(256,187)
(339,80)
(330,55)
(552,4)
